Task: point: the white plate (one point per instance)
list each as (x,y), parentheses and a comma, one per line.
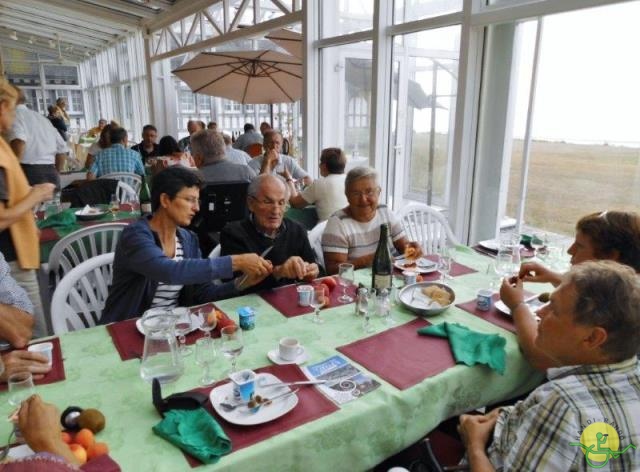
(533,303)
(491,244)
(274,357)
(242,416)
(423,266)
(194,324)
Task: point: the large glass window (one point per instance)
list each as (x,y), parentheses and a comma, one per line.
(410,10)
(424,96)
(585,149)
(346,100)
(345,16)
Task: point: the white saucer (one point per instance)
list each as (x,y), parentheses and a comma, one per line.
(274,356)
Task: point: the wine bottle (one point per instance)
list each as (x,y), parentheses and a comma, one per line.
(145,199)
(382,267)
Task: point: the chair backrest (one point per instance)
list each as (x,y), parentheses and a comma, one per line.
(82,245)
(80,297)
(215,252)
(427,226)
(254,149)
(315,239)
(125,192)
(134,180)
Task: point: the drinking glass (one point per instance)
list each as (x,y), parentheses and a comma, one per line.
(20,387)
(182,328)
(317,300)
(366,306)
(384,307)
(205,356)
(231,344)
(538,241)
(207,321)
(504,265)
(445,261)
(345,278)
(114,205)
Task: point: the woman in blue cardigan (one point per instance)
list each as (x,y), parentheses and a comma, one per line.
(158,263)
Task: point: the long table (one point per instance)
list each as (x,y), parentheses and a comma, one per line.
(356,437)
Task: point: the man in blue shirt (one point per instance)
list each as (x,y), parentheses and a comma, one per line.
(116,158)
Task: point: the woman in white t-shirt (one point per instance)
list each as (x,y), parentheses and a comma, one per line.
(326,193)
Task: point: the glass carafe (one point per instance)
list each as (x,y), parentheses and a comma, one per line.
(161,358)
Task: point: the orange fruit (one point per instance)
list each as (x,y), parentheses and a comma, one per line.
(98,449)
(85,438)
(66,437)
(79,452)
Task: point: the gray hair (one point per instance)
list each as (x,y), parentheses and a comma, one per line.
(227,138)
(608,296)
(208,145)
(259,180)
(360,172)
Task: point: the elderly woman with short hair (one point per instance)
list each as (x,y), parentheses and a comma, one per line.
(158,262)
(352,233)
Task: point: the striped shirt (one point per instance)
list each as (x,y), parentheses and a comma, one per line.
(117,158)
(344,235)
(535,434)
(166,295)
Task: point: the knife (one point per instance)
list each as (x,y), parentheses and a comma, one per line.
(287,384)
(262,254)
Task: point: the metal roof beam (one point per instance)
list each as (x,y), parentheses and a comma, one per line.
(124,7)
(178,11)
(50,33)
(46,25)
(10,44)
(43,42)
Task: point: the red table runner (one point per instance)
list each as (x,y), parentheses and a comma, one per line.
(456,270)
(129,342)
(493,316)
(311,405)
(285,299)
(401,356)
(56,374)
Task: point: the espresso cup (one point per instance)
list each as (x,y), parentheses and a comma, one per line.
(289,349)
(45,349)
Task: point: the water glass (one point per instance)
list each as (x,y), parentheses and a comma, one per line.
(318,299)
(231,344)
(538,241)
(366,306)
(182,328)
(345,278)
(207,320)
(205,356)
(20,387)
(445,262)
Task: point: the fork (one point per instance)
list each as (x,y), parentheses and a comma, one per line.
(229,407)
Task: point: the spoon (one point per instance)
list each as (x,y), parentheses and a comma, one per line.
(266,401)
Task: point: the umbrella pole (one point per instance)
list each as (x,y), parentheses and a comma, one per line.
(271,113)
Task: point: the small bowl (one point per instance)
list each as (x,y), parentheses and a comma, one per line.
(90,216)
(406,298)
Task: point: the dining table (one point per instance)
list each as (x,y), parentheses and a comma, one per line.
(353,436)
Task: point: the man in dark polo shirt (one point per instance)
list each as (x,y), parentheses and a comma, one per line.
(148,146)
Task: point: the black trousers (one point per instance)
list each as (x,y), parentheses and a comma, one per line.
(41,173)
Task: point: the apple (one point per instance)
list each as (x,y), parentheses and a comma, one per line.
(330,282)
(79,451)
(326,292)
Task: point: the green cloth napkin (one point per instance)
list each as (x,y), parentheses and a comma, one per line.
(61,219)
(470,347)
(196,433)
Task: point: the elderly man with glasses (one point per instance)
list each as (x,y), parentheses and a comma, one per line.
(352,233)
(266,227)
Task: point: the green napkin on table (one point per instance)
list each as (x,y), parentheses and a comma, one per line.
(196,433)
(470,347)
(61,219)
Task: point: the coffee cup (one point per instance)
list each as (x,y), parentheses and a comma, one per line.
(244,384)
(304,295)
(46,349)
(289,349)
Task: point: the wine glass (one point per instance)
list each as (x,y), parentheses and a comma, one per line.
(182,328)
(318,296)
(207,320)
(365,310)
(114,205)
(345,278)
(20,387)
(445,261)
(231,344)
(205,356)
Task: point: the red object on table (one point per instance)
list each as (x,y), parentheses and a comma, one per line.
(311,405)
(493,316)
(456,270)
(56,374)
(285,299)
(408,358)
(129,342)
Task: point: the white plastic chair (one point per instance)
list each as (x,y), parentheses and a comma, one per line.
(215,252)
(315,239)
(80,246)
(126,193)
(427,226)
(80,297)
(134,180)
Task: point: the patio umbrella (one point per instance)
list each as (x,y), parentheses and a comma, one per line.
(288,40)
(245,76)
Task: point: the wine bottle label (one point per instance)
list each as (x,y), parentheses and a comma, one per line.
(145,207)
(381,281)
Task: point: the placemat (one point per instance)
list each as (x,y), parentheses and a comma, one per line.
(56,374)
(493,316)
(400,355)
(285,299)
(525,252)
(456,270)
(129,342)
(311,405)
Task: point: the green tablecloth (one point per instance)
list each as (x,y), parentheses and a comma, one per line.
(358,436)
(307,216)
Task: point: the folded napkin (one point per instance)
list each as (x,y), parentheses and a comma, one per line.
(196,433)
(61,219)
(470,347)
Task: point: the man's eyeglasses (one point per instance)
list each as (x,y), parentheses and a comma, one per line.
(369,193)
